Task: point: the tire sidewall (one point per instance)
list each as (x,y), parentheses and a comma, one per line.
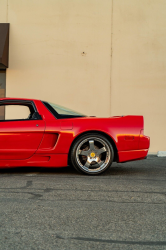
(74,149)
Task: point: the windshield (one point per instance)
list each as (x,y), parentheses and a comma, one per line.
(62,112)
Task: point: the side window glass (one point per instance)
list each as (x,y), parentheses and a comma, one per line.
(16,112)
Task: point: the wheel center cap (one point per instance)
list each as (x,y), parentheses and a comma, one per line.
(92,155)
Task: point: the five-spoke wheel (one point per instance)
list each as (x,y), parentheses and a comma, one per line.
(92,154)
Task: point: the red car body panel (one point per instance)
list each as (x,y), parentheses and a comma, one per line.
(21,141)
(47,142)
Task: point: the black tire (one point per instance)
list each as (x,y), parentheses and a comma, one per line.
(86,154)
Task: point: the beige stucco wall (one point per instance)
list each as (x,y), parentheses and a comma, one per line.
(138,83)
(46,61)
(122,70)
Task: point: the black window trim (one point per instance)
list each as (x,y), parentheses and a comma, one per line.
(22,103)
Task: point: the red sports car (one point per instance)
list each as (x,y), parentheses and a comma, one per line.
(54,136)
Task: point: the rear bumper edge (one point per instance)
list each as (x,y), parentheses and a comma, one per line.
(132,155)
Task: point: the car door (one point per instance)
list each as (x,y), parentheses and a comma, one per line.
(20,138)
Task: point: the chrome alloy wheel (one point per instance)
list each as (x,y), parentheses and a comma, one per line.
(93,155)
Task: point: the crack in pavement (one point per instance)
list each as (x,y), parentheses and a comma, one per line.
(146,243)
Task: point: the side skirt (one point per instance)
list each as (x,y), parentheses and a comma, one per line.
(38,160)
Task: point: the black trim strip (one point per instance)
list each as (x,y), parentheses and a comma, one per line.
(18,102)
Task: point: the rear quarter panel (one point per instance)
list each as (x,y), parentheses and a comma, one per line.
(124,131)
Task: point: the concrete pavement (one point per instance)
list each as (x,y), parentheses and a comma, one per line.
(124,208)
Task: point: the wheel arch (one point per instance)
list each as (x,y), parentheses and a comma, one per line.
(109,138)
